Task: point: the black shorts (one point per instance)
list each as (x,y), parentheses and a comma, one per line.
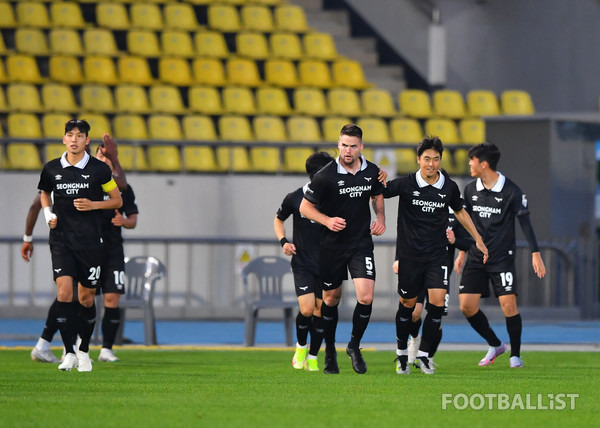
(476,278)
(423,295)
(112,278)
(414,277)
(85,266)
(307,282)
(335,264)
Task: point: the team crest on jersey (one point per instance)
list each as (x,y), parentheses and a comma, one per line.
(416,193)
(341,183)
(368,178)
(441,196)
(58,177)
(85,176)
(498,199)
(524,201)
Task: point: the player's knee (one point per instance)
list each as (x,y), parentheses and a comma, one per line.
(468,310)
(111,300)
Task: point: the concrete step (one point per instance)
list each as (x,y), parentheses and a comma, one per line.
(334,22)
(309,5)
(362,49)
(390,77)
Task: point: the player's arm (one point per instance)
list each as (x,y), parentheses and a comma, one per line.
(110,151)
(310,211)
(46,202)
(460,261)
(32,215)
(279,228)
(114,199)
(378,226)
(128,222)
(463,217)
(536,257)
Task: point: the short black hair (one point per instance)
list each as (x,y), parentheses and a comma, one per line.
(352,130)
(429,142)
(80,124)
(316,161)
(487,152)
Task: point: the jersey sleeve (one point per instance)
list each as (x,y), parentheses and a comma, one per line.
(129,205)
(456,201)
(392,188)
(286,209)
(316,189)
(520,203)
(45,182)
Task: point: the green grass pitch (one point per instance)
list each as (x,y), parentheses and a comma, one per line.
(259,388)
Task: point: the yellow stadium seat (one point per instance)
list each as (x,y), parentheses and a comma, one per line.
(344,102)
(285,46)
(3,50)
(238,101)
(112,15)
(134,69)
(32,14)
(100,41)
(415,103)
(65,69)
(378,102)
(242,71)
(3,105)
(7,16)
(304,129)
(332,126)
(252,45)
(146,16)
(24,125)
(23,97)
(267,2)
(472,131)
(209,71)
(65,42)
(99,69)
(199,159)
(164,158)
(406,130)
(516,102)
(267,128)
(205,100)
(58,97)
(23,156)
(461,162)
(314,73)
(375,130)
(177,43)
(180,16)
(132,99)
(310,101)
(166,99)
(223,18)
(98,98)
(54,150)
(99,124)
(445,129)
(449,103)
(294,159)
(53,126)
(31,41)
(143,43)
(320,46)
(257,18)
(198,128)
(211,44)
(290,17)
(234,128)
(174,71)
(349,73)
(281,72)
(130,127)
(66,14)
(482,102)
(132,158)
(272,101)
(406,161)
(23,68)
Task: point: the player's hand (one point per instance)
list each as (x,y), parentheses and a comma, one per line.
(83,204)
(538,264)
(450,235)
(395,266)
(53,223)
(118,219)
(27,251)
(110,147)
(377,228)
(336,224)
(382,177)
(459,262)
(289,249)
(481,247)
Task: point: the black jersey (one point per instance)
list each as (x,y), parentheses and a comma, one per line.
(493,212)
(463,240)
(90,178)
(111,233)
(306,232)
(423,215)
(338,193)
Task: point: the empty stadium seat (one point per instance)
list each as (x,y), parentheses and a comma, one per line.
(281,72)
(211,44)
(303,129)
(375,130)
(134,69)
(198,128)
(23,156)
(24,125)
(53,150)
(99,41)
(65,42)
(177,43)
(252,45)
(133,158)
(23,68)
(112,15)
(516,102)
(32,14)
(180,16)
(98,98)
(242,71)
(130,127)
(132,99)
(445,129)
(272,101)
(267,128)
(58,97)
(482,102)
(349,73)
(164,158)
(472,131)
(175,71)
(3,105)
(66,14)
(332,126)
(320,46)
(205,100)
(238,101)
(166,99)
(406,130)
(209,71)
(146,16)
(314,73)
(53,126)
(285,46)
(257,18)
(65,69)
(310,101)
(223,18)
(23,97)
(143,43)
(415,103)
(290,17)
(7,15)
(234,128)
(449,103)
(31,41)
(344,102)
(100,69)
(99,124)
(199,159)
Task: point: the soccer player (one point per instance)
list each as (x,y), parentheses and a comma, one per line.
(338,198)
(494,202)
(72,196)
(424,199)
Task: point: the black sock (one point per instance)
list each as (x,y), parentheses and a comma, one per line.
(431,328)
(316,335)
(110,324)
(51,326)
(330,320)
(403,320)
(414,327)
(480,323)
(87,322)
(514,325)
(435,345)
(64,321)
(360,321)
(302,328)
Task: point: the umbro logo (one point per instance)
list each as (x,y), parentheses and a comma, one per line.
(57,270)
(341,183)
(498,199)
(85,176)
(416,193)
(303,288)
(58,177)
(441,196)
(474,197)
(524,201)
(370,272)
(368,178)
